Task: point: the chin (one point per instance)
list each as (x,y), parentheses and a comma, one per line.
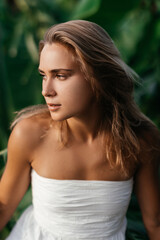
(59,118)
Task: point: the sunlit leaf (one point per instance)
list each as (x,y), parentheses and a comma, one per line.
(31,46)
(85,8)
(16,37)
(3,160)
(22,5)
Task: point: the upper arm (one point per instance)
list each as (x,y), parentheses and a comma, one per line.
(147,187)
(16,177)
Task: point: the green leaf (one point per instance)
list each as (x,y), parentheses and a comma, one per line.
(3,160)
(85,8)
(111,12)
(31,46)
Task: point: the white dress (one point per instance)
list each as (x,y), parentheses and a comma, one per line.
(74,210)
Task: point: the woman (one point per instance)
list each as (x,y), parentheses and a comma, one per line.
(82,150)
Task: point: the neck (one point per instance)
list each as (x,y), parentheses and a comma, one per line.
(86,127)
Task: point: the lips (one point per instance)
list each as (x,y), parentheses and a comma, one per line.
(53,104)
(53,107)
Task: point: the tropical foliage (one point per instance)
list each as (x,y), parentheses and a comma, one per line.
(135,28)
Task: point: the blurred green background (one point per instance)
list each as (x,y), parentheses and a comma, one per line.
(134,25)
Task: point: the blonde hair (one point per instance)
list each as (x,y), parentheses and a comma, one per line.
(112,83)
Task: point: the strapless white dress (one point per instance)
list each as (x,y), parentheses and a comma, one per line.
(74,210)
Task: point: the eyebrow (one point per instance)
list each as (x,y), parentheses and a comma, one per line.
(56,70)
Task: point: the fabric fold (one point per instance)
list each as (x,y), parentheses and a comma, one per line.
(75,209)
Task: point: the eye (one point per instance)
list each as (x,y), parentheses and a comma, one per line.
(43,76)
(61,76)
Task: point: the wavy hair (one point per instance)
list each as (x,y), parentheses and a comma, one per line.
(112,82)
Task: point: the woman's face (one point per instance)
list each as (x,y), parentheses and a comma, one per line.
(66,91)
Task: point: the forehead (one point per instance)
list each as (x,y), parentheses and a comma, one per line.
(56,55)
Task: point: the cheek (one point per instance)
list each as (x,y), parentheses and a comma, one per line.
(83,91)
(78,94)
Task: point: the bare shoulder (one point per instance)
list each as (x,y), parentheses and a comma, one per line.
(29,132)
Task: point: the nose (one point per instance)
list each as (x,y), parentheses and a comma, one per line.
(48,93)
(48,89)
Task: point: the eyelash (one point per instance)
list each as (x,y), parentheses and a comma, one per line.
(59,76)
(43,76)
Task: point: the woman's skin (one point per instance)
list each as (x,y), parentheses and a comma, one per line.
(33,142)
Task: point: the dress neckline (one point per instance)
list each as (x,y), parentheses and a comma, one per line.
(80,180)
